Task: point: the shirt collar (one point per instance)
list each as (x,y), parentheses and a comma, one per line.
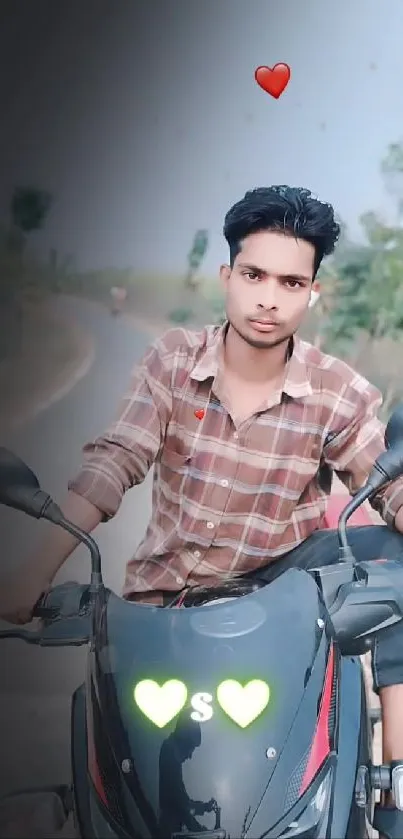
(297,382)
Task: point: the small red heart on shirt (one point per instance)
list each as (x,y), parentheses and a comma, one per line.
(199,414)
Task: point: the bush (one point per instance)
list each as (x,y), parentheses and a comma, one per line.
(181,315)
(216,304)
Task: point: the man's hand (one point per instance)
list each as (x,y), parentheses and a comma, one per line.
(399,520)
(19,594)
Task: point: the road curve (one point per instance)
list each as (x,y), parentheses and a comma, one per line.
(37,684)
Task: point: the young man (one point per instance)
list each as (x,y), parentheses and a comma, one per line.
(241,422)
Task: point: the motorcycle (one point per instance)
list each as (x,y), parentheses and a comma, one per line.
(237,711)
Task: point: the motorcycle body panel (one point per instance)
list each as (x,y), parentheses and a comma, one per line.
(354,749)
(176,769)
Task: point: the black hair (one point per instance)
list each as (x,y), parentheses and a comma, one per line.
(291,210)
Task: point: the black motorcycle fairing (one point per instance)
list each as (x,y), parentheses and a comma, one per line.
(283,793)
(192,763)
(348,820)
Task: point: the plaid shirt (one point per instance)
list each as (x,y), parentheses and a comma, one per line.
(229,498)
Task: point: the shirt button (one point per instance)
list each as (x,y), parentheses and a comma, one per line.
(179,581)
(197,554)
(224,483)
(236,435)
(210,525)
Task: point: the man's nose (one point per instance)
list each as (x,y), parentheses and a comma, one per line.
(268,295)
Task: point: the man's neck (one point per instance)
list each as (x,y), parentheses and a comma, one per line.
(254,365)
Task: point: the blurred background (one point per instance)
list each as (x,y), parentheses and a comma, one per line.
(128,129)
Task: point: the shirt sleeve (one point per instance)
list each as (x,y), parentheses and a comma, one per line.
(121,457)
(352,447)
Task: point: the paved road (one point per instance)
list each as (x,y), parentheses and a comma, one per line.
(36,685)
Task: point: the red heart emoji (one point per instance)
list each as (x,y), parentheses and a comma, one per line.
(273,80)
(199,414)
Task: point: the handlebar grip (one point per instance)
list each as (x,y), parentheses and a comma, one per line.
(10,633)
(66,600)
(17,631)
(65,613)
(40,609)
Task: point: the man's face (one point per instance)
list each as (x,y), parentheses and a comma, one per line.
(268,289)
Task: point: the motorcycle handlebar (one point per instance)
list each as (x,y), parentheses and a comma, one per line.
(65,612)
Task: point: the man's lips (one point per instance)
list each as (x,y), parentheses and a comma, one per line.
(265,320)
(264,325)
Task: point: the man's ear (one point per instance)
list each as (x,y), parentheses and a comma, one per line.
(225,273)
(315,294)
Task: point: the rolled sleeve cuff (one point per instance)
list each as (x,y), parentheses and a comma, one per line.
(390,502)
(98,490)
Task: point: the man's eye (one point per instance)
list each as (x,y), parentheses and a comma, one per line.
(252,275)
(294,283)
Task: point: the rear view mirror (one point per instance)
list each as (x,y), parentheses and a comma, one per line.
(19,486)
(14,472)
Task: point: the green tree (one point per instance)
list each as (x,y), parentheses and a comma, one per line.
(195,257)
(366,311)
(368,284)
(392,173)
(369,289)
(29,209)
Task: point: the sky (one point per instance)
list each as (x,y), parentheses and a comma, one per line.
(145,121)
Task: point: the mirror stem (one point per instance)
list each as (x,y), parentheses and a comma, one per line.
(54,514)
(367,491)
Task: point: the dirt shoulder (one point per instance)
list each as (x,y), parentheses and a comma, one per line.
(55,353)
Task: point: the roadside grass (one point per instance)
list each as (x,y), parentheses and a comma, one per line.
(150,294)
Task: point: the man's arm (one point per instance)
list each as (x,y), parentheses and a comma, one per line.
(122,456)
(352,447)
(116,461)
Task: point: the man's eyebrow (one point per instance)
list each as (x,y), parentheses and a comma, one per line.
(251,267)
(263,273)
(301,277)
